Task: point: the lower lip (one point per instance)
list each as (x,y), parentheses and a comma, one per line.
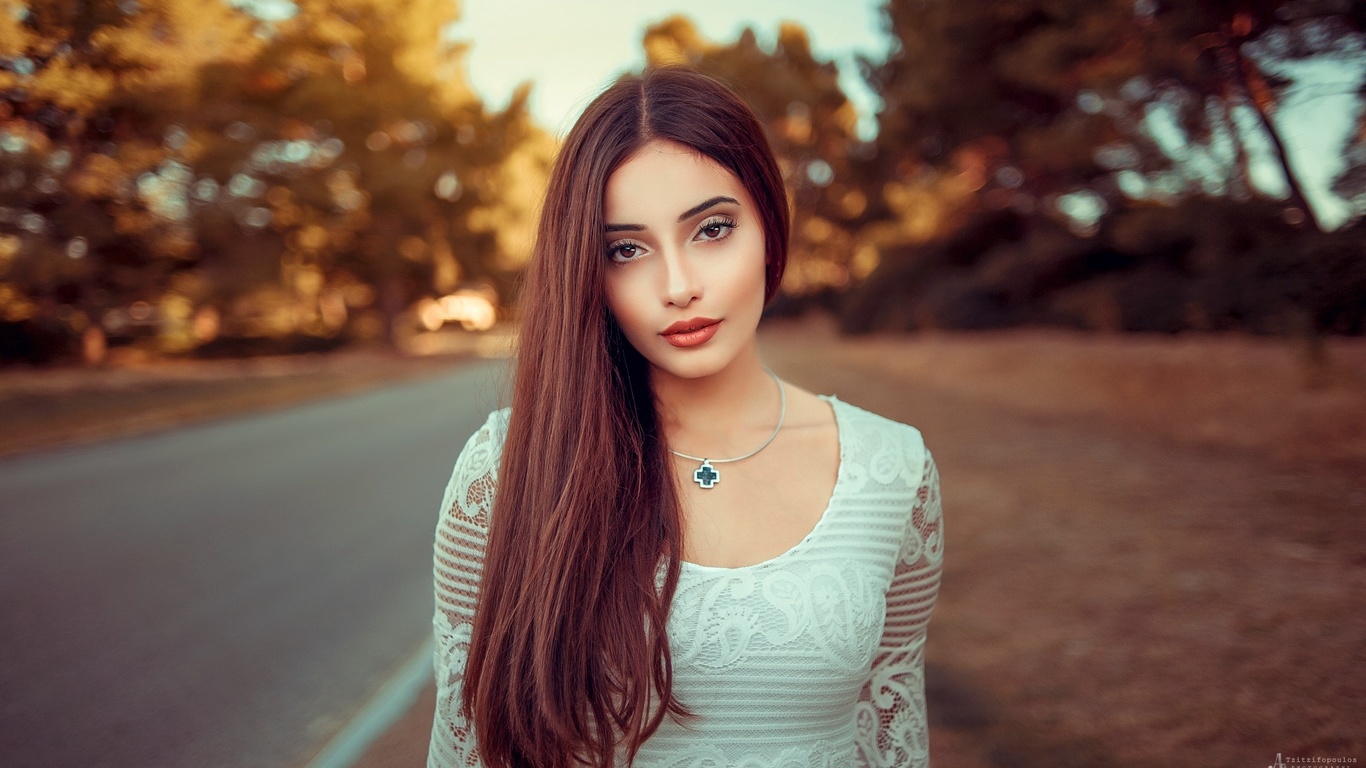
(693,338)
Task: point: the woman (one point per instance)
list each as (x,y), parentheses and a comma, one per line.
(662,554)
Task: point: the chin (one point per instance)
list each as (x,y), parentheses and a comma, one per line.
(692,363)
(693,368)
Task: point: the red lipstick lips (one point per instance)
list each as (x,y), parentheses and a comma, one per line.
(691,333)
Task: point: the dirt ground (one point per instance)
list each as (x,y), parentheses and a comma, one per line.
(1155,546)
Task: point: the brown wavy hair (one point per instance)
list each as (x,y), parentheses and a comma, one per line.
(570,660)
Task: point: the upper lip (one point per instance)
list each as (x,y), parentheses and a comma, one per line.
(683,326)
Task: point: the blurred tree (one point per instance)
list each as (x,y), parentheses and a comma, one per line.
(91,161)
(1350,183)
(984,110)
(1001,116)
(225,174)
(361,152)
(1050,97)
(810,124)
(1236,55)
(980,87)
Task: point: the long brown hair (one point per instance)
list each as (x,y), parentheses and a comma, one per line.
(570,659)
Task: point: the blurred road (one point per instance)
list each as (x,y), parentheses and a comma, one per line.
(228,594)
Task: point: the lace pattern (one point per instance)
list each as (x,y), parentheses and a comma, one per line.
(814,658)
(893,729)
(458,561)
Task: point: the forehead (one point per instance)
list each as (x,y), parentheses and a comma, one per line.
(662,180)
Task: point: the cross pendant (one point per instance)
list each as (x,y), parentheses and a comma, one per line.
(706,475)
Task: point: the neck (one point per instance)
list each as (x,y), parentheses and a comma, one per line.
(718,412)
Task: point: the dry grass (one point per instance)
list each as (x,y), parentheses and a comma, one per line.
(1260,394)
(1156,548)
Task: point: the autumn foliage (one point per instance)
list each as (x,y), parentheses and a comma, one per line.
(183,176)
(181,171)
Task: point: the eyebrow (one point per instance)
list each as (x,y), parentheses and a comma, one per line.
(705,204)
(693,211)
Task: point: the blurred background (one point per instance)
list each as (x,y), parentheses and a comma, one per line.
(1108,255)
(215,179)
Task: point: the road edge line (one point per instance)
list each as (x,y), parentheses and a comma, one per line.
(389,704)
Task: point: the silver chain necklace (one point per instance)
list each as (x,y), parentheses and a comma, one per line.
(706,475)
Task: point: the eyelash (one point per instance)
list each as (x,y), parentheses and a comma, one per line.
(714,222)
(615,247)
(717,221)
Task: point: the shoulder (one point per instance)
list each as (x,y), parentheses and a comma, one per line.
(866,424)
(487,441)
(495,426)
(887,451)
(868,420)
(890,460)
(469,493)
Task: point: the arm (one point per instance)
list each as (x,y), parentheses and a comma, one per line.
(892,725)
(457,567)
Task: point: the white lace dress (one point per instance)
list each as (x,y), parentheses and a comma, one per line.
(812,659)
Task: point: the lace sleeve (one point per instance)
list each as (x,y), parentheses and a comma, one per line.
(892,726)
(457,565)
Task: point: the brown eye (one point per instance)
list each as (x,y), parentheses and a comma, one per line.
(623,252)
(714,229)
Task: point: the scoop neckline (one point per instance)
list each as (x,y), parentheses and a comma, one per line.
(835,404)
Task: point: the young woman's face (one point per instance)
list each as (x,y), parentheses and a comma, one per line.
(685,252)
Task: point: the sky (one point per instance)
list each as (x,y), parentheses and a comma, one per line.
(574,49)
(1316,116)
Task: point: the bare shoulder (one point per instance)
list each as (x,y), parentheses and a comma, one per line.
(814,415)
(806,411)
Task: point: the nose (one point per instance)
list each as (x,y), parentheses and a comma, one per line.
(682,285)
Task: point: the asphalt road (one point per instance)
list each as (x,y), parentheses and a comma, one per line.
(228,594)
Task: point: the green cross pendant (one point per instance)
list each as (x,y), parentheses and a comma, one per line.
(706,475)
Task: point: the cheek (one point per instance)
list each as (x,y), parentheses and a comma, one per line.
(750,276)
(623,299)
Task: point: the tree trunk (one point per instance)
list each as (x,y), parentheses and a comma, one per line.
(1246,72)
